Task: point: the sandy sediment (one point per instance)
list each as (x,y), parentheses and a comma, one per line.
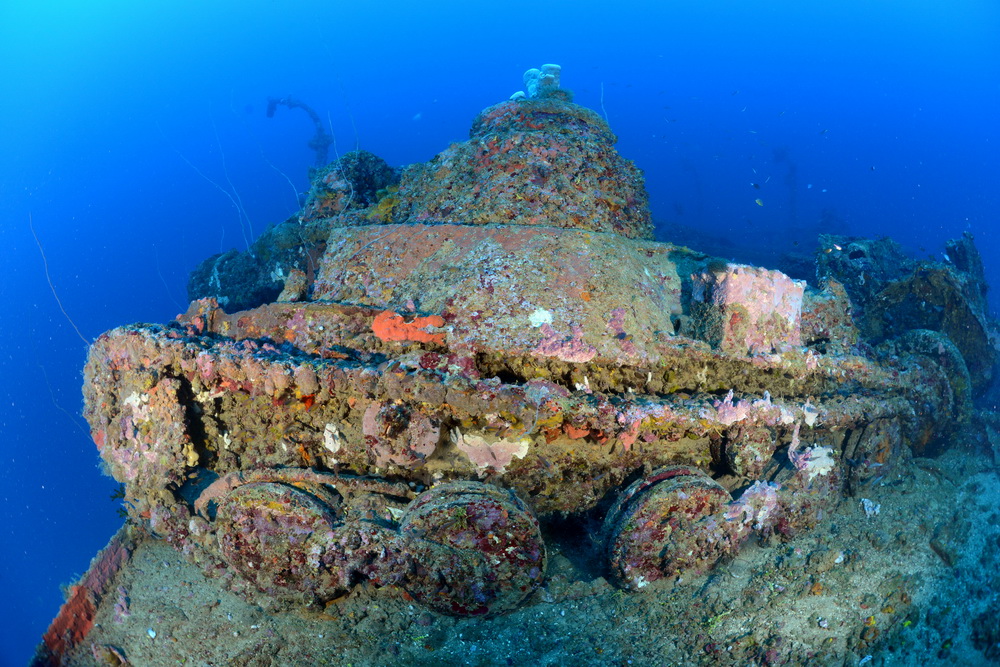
(911,582)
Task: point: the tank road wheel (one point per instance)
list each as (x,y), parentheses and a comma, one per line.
(275,535)
(667,523)
(944,397)
(475,549)
(873,453)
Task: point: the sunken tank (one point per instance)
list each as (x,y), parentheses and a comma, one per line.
(498,340)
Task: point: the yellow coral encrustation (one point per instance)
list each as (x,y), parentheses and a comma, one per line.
(382,211)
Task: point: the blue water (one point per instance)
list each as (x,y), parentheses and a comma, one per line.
(125,128)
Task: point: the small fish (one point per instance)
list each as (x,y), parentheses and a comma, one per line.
(756,186)
(758,202)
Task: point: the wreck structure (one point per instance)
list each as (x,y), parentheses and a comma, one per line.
(401,384)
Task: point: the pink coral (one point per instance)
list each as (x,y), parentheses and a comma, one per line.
(278,379)
(486,455)
(570,350)
(729,413)
(305,380)
(617,325)
(747,308)
(206,366)
(396,433)
(121,606)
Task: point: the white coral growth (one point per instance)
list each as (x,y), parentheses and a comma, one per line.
(812,461)
(757,506)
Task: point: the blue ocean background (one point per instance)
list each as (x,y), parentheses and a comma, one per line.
(133,138)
